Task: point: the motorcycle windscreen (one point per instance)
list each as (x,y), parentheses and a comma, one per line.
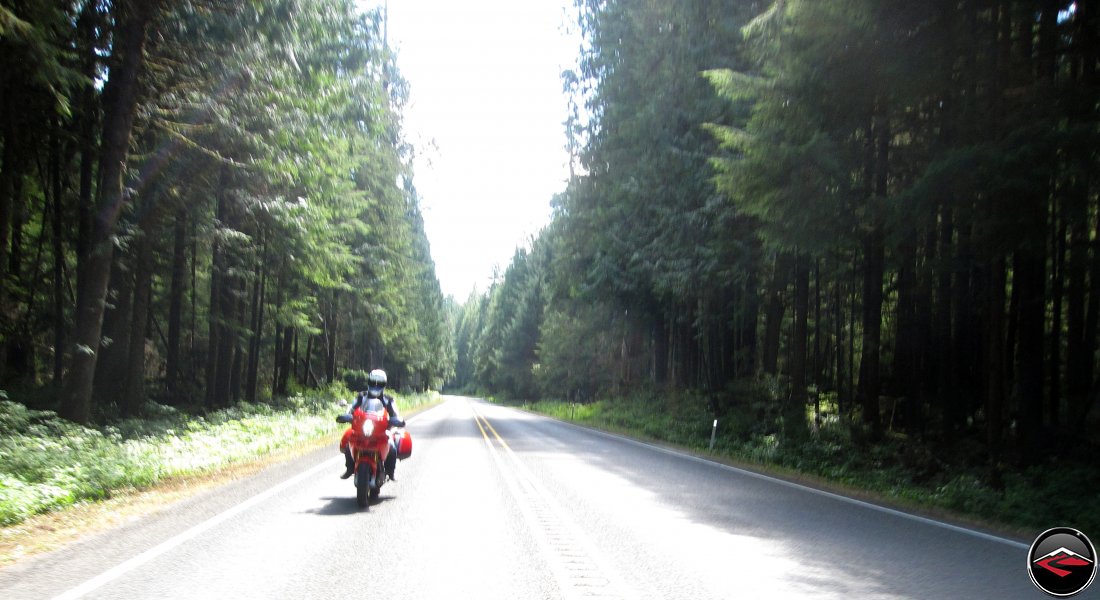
(372,405)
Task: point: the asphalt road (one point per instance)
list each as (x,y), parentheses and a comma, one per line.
(497,503)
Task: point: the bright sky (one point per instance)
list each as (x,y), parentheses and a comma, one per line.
(485,113)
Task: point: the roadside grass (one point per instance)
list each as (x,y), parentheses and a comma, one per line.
(48,464)
(944,482)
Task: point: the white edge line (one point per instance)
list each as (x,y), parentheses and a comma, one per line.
(135,562)
(864,504)
(132,563)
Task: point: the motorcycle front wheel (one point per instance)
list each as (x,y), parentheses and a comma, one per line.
(375,491)
(362,485)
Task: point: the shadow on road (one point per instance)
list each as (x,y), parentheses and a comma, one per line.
(842,549)
(344,505)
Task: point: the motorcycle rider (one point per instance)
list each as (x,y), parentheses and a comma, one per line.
(376,385)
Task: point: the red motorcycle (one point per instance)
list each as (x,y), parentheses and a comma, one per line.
(371,442)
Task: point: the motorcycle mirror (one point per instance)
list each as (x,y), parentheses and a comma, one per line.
(342,402)
(345,418)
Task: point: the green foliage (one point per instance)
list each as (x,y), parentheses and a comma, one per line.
(47,463)
(641,243)
(677,418)
(355,379)
(271,134)
(33,37)
(576,351)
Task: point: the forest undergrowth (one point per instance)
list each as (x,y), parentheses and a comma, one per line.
(48,463)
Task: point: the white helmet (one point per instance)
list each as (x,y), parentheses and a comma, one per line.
(376,382)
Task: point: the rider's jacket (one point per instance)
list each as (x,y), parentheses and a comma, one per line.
(387,401)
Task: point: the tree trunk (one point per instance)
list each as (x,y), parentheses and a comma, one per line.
(1080,335)
(995,359)
(926,375)
(87,27)
(332,325)
(838,337)
(659,335)
(294,359)
(307,362)
(284,362)
(18,220)
(874,259)
(1084,402)
(869,379)
(1012,327)
(8,174)
(818,362)
(906,365)
(797,402)
(225,356)
(277,369)
(969,320)
(236,371)
(110,372)
(254,343)
(120,104)
(1029,276)
(14,347)
(175,306)
(227,342)
(58,265)
(1090,50)
(1029,273)
(143,289)
(946,388)
(193,335)
(773,318)
(1058,246)
(213,342)
(216,312)
(746,345)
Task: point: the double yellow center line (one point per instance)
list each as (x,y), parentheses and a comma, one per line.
(573,561)
(487,425)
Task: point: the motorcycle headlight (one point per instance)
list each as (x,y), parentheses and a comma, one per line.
(368,428)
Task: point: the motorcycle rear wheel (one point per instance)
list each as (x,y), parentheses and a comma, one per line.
(362,485)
